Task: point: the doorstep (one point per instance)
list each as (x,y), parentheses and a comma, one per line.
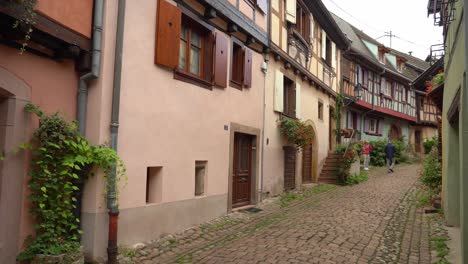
(237,209)
(454,244)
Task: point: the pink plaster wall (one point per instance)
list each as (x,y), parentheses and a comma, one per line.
(54,88)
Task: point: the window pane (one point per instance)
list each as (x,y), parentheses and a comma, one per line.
(195,39)
(183,54)
(195,60)
(183,33)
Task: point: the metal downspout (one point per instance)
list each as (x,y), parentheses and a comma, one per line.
(112,203)
(95,67)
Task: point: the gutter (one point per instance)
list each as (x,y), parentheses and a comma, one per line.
(464,149)
(112,203)
(95,66)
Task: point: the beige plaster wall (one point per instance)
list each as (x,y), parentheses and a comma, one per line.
(52,85)
(163,122)
(273,151)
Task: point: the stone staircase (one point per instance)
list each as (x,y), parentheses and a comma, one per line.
(329,172)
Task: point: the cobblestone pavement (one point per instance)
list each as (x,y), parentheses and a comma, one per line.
(375,222)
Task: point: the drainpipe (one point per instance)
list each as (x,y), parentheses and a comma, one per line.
(95,67)
(112,203)
(83,86)
(265,71)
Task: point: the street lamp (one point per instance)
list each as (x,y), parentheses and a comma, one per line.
(357,95)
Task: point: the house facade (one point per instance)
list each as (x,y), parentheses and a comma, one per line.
(46,74)
(386,107)
(302,83)
(191,116)
(449,15)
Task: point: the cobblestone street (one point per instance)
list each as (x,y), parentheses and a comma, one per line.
(374,222)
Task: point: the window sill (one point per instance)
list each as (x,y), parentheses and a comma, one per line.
(235,84)
(288,116)
(373,134)
(192,79)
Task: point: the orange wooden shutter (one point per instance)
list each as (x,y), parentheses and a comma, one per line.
(168,25)
(221,60)
(248,68)
(208,57)
(262,4)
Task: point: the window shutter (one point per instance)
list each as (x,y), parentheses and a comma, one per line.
(324,44)
(350,120)
(263,5)
(221,60)
(366,125)
(333,55)
(247,68)
(380,126)
(208,64)
(312,28)
(291,11)
(279,90)
(169,19)
(298,100)
(358,123)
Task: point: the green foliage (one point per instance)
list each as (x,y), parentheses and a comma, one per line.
(61,160)
(348,157)
(431,174)
(439,244)
(26,19)
(377,155)
(297,132)
(438,79)
(357,178)
(429,143)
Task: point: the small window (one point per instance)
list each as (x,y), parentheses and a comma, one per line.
(153,185)
(237,64)
(373,126)
(289,98)
(191,49)
(200,176)
(320,110)
(400,66)
(328,56)
(382,56)
(302,25)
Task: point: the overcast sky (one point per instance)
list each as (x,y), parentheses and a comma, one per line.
(407,19)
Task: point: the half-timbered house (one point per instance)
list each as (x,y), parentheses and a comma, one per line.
(303,81)
(387,105)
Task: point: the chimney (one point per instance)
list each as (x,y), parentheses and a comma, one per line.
(410,53)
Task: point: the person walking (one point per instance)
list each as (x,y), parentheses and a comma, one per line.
(366,150)
(390,151)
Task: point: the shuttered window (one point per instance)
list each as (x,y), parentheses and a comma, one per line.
(289,98)
(302,20)
(194,59)
(241,66)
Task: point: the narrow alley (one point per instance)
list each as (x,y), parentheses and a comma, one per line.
(374,222)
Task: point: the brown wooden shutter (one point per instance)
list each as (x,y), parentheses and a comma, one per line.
(208,57)
(221,60)
(247,68)
(262,4)
(168,25)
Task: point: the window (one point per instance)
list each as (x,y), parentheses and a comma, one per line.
(320,110)
(237,64)
(400,66)
(382,56)
(153,185)
(241,65)
(200,174)
(373,126)
(328,50)
(289,98)
(191,49)
(302,20)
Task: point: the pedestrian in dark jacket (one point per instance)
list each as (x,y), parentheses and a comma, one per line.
(390,151)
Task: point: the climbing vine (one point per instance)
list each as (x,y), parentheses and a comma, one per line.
(297,132)
(61,160)
(26,18)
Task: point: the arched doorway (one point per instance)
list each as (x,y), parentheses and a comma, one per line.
(395,132)
(14,122)
(309,159)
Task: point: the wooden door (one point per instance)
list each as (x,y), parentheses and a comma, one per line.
(289,168)
(242,170)
(307,164)
(417,141)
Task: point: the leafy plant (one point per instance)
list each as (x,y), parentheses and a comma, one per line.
(357,178)
(429,143)
(61,160)
(347,157)
(377,155)
(431,174)
(438,78)
(26,19)
(297,132)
